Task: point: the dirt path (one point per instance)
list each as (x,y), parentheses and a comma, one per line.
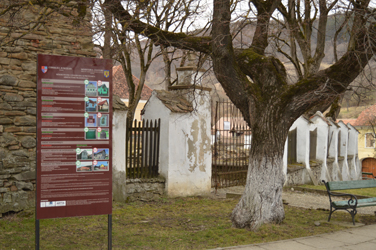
(296,199)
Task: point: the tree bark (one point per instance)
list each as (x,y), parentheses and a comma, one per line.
(261,201)
(107,33)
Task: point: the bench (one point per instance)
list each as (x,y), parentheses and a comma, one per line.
(366,176)
(353,202)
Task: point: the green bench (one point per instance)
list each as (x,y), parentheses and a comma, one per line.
(366,176)
(353,202)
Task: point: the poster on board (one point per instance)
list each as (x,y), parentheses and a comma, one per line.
(74,136)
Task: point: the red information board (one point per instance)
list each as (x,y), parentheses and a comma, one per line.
(74,135)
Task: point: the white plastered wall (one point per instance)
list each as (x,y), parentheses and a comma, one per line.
(343,140)
(302,144)
(185,150)
(322,127)
(333,150)
(190,151)
(354,164)
(118,155)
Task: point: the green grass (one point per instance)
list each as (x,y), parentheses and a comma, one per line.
(362,191)
(184,223)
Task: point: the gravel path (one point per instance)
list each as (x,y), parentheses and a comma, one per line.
(296,199)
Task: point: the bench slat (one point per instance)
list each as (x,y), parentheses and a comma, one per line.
(361,202)
(342,203)
(367,173)
(342,185)
(367,204)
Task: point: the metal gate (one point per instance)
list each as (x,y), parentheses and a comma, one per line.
(231,142)
(142,149)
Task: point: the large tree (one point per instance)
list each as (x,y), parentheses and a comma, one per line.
(257,83)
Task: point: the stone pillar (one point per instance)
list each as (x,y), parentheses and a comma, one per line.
(57,36)
(190,75)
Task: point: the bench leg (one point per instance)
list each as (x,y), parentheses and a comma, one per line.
(330,213)
(353,213)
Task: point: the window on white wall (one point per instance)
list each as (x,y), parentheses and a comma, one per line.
(370,140)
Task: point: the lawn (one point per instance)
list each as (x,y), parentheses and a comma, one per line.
(184,223)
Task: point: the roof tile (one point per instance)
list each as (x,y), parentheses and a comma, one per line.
(173,102)
(120,86)
(367,117)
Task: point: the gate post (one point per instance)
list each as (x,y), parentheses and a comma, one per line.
(118,146)
(185,138)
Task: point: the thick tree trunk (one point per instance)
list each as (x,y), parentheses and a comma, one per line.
(261,201)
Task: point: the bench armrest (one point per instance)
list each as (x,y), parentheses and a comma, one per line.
(352,202)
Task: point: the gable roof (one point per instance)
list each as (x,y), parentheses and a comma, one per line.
(120,87)
(103,102)
(348,121)
(367,117)
(319,115)
(173,102)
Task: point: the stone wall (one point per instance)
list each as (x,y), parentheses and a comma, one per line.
(56,36)
(333,170)
(298,174)
(145,189)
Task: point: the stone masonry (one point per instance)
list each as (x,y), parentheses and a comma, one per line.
(56,36)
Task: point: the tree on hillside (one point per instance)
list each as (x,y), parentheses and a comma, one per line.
(257,82)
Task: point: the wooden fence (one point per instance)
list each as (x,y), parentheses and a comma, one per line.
(142,149)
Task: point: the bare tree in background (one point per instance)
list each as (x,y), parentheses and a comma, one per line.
(257,83)
(129,48)
(176,16)
(306,26)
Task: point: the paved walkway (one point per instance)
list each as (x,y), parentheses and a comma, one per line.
(358,238)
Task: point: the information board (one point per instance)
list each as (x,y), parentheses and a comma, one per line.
(74,136)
